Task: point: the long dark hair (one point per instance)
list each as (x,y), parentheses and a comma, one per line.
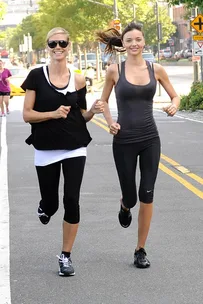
(113,38)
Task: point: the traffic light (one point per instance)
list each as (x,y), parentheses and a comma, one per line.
(117,24)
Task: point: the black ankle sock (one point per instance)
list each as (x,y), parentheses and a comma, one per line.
(67,254)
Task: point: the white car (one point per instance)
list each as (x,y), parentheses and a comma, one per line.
(149,57)
(91,59)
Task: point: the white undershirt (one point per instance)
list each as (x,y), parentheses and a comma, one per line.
(47,157)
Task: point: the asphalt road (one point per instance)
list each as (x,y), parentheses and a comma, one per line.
(103,251)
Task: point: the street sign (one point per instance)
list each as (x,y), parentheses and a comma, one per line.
(117,24)
(195,58)
(197,23)
(198,48)
(197,37)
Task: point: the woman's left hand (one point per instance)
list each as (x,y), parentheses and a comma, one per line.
(170,110)
(97,107)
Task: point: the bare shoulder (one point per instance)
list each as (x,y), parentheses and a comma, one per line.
(113,68)
(112,72)
(79,81)
(158,67)
(159,70)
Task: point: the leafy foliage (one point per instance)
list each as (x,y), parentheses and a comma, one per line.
(82,18)
(2,9)
(194,100)
(188,3)
(2,13)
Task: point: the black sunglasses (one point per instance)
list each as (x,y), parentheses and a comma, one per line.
(53,43)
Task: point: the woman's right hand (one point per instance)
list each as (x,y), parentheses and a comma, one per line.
(114,128)
(61,112)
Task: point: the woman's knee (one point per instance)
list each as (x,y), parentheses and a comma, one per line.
(72,214)
(130,201)
(49,206)
(146,195)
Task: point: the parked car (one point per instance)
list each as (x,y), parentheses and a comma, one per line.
(167,53)
(149,57)
(91,59)
(6,62)
(18,76)
(43,60)
(179,54)
(105,58)
(187,53)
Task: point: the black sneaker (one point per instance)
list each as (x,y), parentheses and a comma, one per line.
(140,260)
(125,217)
(43,217)
(65,266)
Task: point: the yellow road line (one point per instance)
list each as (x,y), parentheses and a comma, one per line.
(102,120)
(169,160)
(195,177)
(181,180)
(100,125)
(188,173)
(164,168)
(172,162)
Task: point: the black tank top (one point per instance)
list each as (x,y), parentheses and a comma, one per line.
(135,109)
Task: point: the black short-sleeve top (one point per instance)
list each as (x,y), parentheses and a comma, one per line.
(56,134)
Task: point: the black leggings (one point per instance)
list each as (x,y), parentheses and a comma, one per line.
(125,156)
(49,176)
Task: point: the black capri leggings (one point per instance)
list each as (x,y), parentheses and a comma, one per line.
(125,156)
(49,176)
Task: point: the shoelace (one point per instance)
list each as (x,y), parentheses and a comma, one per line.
(141,253)
(126,213)
(42,214)
(66,261)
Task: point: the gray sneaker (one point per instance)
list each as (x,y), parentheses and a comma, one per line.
(65,266)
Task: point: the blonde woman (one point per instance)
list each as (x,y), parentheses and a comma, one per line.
(55,106)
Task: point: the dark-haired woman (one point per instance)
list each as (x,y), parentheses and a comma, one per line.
(135,132)
(55,106)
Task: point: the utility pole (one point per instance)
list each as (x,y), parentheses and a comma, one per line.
(134,12)
(159,35)
(115,9)
(196,66)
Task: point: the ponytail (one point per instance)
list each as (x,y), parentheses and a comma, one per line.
(112,39)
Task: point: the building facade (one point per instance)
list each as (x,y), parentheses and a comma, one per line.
(183,35)
(16,11)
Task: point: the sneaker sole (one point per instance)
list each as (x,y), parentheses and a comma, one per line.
(44,223)
(124,226)
(43,219)
(141,266)
(61,274)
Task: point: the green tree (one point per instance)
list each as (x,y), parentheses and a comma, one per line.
(82,18)
(2,9)
(2,13)
(188,3)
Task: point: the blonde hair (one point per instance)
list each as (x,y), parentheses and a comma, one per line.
(57,30)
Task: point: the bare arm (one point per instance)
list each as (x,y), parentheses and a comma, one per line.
(32,116)
(162,77)
(97,106)
(110,80)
